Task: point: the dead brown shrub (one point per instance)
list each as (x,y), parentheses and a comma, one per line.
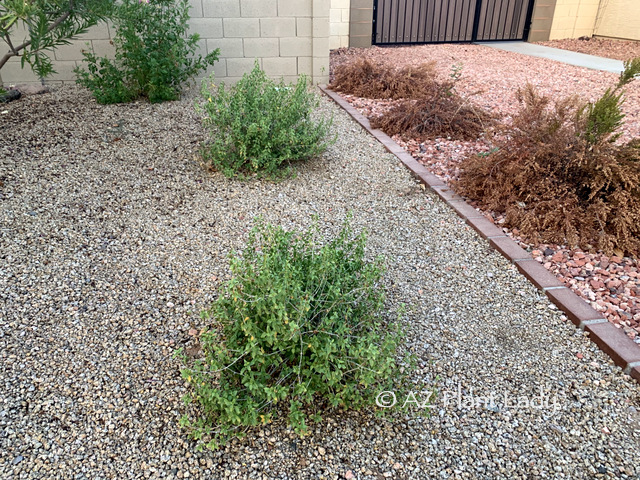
(365,79)
(443,113)
(554,183)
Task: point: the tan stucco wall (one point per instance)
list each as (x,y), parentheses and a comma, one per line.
(574,18)
(619,19)
(288,37)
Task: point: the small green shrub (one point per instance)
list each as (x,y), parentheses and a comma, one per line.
(259,125)
(298,326)
(154,54)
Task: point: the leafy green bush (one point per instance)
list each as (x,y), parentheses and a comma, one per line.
(154,54)
(298,325)
(259,124)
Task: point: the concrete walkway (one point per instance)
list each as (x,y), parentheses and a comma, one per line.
(559,55)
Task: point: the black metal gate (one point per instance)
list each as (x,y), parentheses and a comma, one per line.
(442,21)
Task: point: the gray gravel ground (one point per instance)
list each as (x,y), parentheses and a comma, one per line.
(113,238)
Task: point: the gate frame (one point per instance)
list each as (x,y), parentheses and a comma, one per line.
(525,32)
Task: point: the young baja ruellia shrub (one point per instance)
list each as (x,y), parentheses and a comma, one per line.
(299,328)
(154,57)
(559,176)
(365,79)
(260,126)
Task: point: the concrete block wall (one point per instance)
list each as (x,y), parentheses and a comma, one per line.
(287,37)
(65,58)
(361,23)
(339,15)
(541,21)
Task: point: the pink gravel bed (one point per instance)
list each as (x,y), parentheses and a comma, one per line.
(601,47)
(490,78)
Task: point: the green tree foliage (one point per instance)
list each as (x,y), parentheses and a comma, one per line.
(32,28)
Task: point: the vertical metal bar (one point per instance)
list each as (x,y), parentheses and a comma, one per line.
(389,21)
(415,20)
(422,20)
(507,19)
(486,35)
(476,21)
(504,10)
(442,25)
(468,29)
(527,21)
(515,23)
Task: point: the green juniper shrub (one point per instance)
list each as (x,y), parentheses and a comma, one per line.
(259,125)
(298,326)
(154,57)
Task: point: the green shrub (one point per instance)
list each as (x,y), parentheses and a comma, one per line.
(298,325)
(259,125)
(154,54)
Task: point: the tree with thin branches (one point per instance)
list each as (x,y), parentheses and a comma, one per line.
(33,28)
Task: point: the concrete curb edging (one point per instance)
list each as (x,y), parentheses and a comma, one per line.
(611,340)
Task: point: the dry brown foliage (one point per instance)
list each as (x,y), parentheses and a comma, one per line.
(443,113)
(555,185)
(365,79)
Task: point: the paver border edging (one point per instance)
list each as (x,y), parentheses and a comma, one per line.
(611,340)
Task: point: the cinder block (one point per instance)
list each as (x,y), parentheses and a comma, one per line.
(73,51)
(360,15)
(334,42)
(196,9)
(229,47)
(340,4)
(360,29)
(201,47)
(64,71)
(103,48)
(12,73)
(279,66)
(97,32)
(241,27)
(360,41)
(321,8)
(321,47)
(236,67)
(206,27)
(335,15)
(295,47)
(261,47)
(221,8)
(321,70)
(346,15)
(303,27)
(219,68)
(277,27)
(258,8)
(305,66)
(320,27)
(294,8)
